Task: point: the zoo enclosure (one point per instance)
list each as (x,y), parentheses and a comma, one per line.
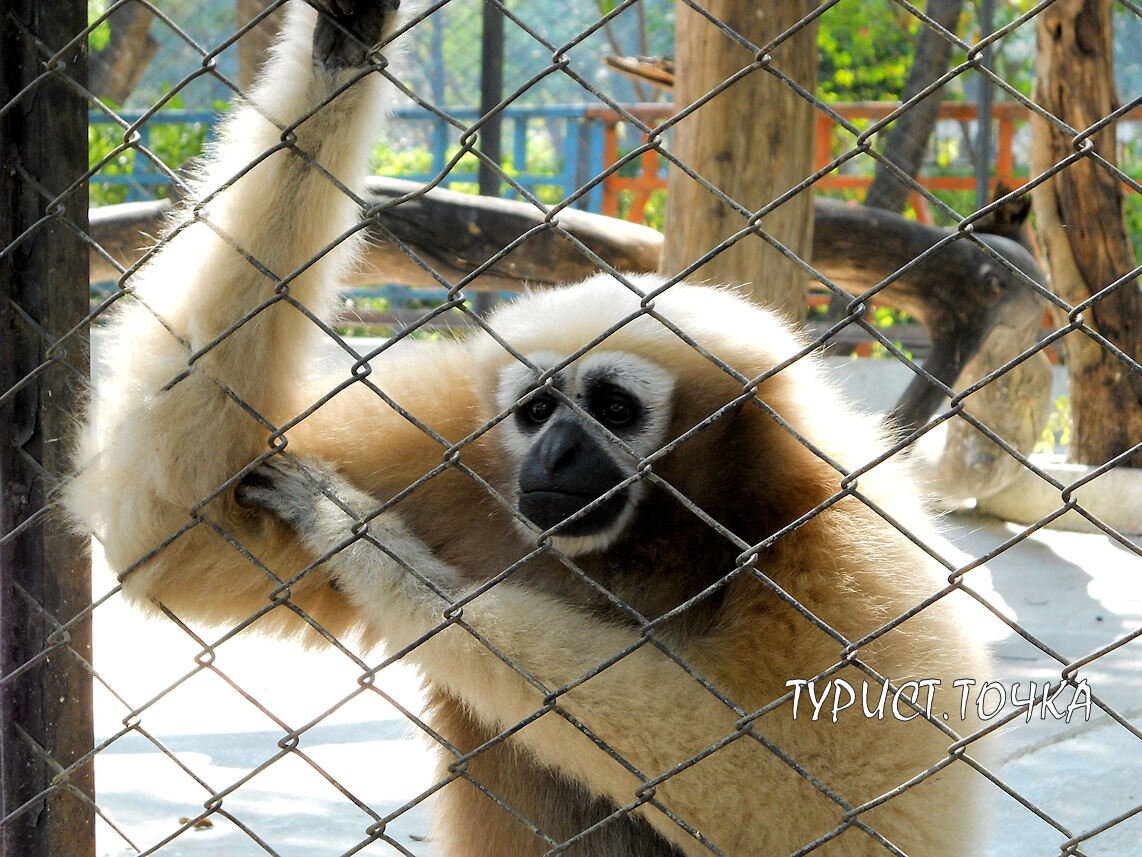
(49,750)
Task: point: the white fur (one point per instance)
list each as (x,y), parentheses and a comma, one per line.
(166,440)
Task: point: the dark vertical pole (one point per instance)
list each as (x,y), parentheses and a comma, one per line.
(983,155)
(491,133)
(45,691)
(491,91)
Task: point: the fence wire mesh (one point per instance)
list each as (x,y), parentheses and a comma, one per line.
(657,665)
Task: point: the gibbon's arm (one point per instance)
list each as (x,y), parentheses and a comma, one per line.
(645,707)
(210,359)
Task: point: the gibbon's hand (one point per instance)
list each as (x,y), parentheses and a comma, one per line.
(348,30)
(370,563)
(300,495)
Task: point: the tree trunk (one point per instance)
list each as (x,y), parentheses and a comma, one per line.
(117,69)
(752,140)
(253,45)
(1079,214)
(46,726)
(908,140)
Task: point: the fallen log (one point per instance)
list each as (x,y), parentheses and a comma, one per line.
(959,292)
(452,233)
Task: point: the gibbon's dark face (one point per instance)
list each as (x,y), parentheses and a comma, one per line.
(565,461)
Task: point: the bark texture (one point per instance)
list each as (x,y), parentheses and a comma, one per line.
(1079,215)
(117,69)
(908,139)
(753,141)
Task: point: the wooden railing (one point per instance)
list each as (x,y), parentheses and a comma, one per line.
(651,176)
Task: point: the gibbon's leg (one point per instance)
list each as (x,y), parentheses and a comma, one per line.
(211,358)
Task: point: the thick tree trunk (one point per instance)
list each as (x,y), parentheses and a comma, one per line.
(117,69)
(752,140)
(908,139)
(253,45)
(1079,214)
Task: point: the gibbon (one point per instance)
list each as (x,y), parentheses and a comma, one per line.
(613,537)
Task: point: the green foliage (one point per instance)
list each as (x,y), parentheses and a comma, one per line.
(1057,431)
(174,143)
(884,317)
(102,141)
(653,215)
(542,159)
(1132,211)
(100,35)
(386,161)
(865,51)
(1131,163)
(879,352)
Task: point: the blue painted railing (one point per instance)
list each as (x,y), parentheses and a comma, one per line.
(144,176)
(580,159)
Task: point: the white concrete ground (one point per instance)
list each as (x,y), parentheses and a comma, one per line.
(1076,593)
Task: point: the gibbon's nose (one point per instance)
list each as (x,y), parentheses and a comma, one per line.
(560,446)
(565,470)
(568,459)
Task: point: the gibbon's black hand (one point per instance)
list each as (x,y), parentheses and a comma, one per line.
(348,30)
(281,489)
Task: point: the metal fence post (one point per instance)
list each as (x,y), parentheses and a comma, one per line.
(46,727)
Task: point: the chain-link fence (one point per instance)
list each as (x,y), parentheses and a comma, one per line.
(617,570)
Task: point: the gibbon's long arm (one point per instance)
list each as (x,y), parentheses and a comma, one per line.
(212,357)
(613,686)
(402,590)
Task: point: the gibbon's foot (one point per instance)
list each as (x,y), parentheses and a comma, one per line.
(348,30)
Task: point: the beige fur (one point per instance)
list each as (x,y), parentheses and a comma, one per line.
(173,429)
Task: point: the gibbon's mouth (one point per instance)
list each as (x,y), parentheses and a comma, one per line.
(547,509)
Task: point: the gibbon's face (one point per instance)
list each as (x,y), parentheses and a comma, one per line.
(564,460)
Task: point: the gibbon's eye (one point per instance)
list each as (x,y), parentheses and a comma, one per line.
(615,409)
(538,410)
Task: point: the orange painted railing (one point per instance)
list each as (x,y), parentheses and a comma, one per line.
(1006,115)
